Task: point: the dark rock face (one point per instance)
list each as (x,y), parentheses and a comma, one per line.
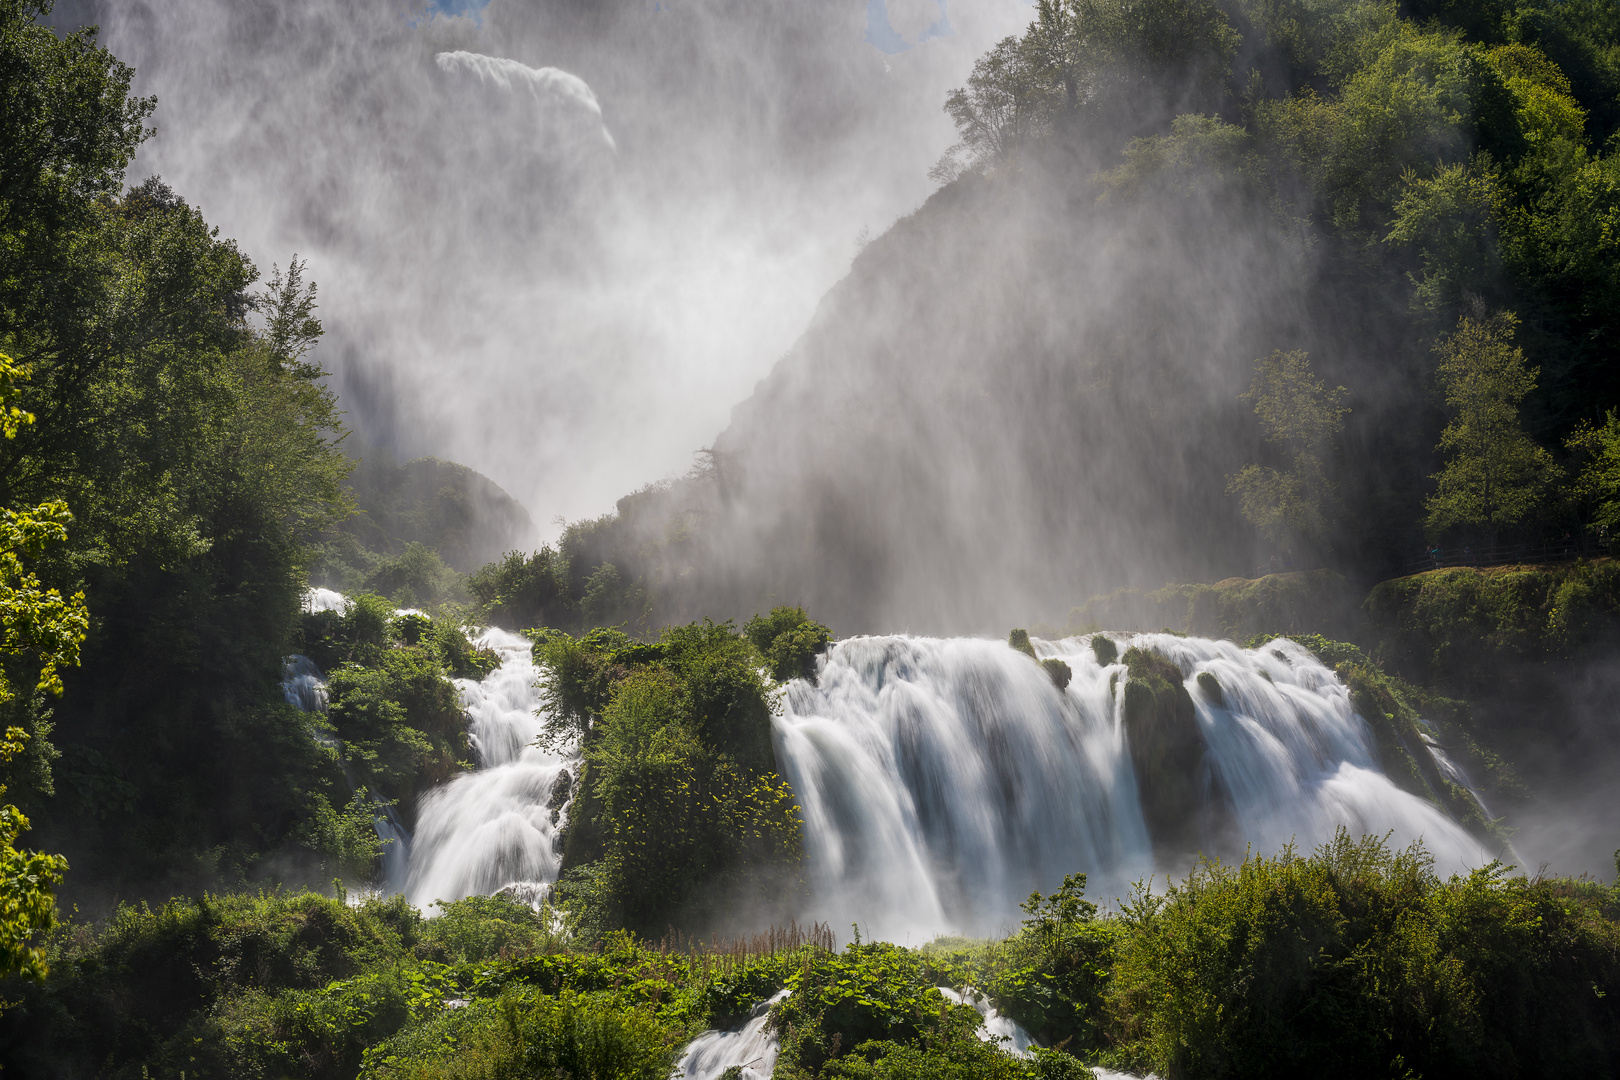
(1059,672)
(561,789)
(1184,812)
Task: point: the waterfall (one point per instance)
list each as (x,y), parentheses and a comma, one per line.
(1003,1030)
(752,1048)
(944,780)
(501,825)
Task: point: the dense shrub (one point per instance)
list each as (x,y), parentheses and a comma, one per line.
(679,811)
(1357,961)
(1352,961)
(789,641)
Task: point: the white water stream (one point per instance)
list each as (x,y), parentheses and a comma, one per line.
(944,780)
(751,1047)
(496,827)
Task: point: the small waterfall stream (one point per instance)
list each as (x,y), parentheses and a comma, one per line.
(499,826)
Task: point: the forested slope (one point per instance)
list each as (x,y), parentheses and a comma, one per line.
(1028,392)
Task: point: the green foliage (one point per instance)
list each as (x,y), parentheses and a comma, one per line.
(1104,649)
(1458,625)
(44,630)
(789,641)
(1019,639)
(417,575)
(679,811)
(866,993)
(478,928)
(519,591)
(588,1036)
(1358,961)
(1301,417)
(401,722)
(1085,60)
(1496,473)
(27,907)
(1237,608)
(346,837)
(1354,961)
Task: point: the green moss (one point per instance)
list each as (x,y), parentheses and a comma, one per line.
(1104,649)
(1212,686)
(1237,608)
(1019,639)
(1465,627)
(1167,748)
(1059,672)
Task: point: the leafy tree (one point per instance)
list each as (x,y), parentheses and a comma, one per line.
(789,641)
(41,624)
(1006,104)
(1595,487)
(1300,416)
(1451,220)
(679,809)
(1496,474)
(1103,61)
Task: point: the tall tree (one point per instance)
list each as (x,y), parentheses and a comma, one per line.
(1495,473)
(40,629)
(1300,416)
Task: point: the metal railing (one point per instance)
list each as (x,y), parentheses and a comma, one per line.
(1542,551)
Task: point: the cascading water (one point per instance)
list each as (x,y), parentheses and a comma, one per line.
(752,1048)
(499,826)
(944,780)
(1006,1031)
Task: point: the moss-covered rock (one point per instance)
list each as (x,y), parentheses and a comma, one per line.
(1237,608)
(1212,686)
(1019,639)
(1460,626)
(1167,751)
(1059,671)
(1104,649)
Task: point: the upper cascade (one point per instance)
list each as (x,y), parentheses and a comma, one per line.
(943,780)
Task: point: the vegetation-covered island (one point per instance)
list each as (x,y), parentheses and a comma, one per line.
(1310,308)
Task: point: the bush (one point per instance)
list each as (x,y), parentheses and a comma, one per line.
(1357,961)
(519,592)
(789,642)
(678,811)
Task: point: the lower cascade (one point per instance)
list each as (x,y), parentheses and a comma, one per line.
(943,780)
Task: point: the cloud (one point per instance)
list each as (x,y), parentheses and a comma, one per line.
(547,85)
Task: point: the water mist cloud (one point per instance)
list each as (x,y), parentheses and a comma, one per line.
(501,288)
(547,85)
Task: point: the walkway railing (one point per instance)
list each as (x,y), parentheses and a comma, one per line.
(1502,554)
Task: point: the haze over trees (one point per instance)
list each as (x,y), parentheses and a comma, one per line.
(1042,382)
(1300,416)
(1049,357)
